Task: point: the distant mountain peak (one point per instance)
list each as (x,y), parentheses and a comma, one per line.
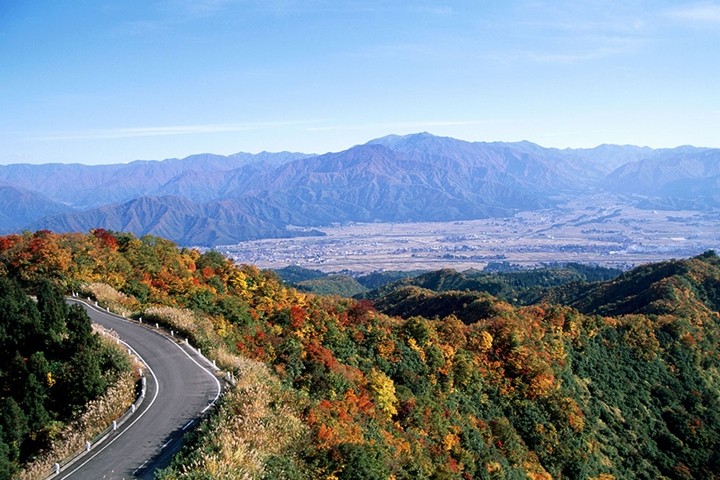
(216,199)
(413,140)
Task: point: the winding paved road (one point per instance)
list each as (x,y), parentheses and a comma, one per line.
(180,387)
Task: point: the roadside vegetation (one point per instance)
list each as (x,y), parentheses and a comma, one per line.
(53,369)
(598,380)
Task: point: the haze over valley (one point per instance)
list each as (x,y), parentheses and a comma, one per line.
(456,203)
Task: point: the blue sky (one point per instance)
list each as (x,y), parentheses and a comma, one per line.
(95,81)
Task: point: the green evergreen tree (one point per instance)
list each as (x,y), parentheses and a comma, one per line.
(53,310)
(13,428)
(363,462)
(33,403)
(81,380)
(8,466)
(52,365)
(80,332)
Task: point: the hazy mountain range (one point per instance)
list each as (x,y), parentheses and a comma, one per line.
(213,199)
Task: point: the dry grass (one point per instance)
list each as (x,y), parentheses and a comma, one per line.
(98,415)
(109,297)
(180,319)
(199,330)
(254,421)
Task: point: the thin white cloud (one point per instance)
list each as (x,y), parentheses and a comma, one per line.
(169,14)
(198,7)
(592,48)
(400,125)
(574,32)
(433,10)
(119,133)
(704,12)
(207,8)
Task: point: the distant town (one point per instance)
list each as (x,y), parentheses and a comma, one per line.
(593,230)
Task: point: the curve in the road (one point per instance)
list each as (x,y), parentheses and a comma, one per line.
(179,389)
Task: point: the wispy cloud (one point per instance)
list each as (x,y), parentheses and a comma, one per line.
(586,30)
(196,8)
(168,14)
(119,133)
(206,8)
(591,48)
(433,10)
(703,12)
(400,125)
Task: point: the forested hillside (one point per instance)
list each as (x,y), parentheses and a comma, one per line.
(52,365)
(517,286)
(329,387)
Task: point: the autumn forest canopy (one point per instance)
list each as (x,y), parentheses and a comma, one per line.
(437,377)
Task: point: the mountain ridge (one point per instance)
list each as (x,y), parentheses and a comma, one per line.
(396,178)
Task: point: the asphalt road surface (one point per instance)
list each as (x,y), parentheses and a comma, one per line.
(180,386)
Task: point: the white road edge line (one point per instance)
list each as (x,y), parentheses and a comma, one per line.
(217,382)
(157,383)
(140,467)
(157,390)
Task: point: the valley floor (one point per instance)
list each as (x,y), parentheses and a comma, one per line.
(592,230)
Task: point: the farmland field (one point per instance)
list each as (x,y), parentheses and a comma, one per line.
(592,230)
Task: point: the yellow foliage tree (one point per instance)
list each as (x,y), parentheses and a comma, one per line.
(383,389)
(486,341)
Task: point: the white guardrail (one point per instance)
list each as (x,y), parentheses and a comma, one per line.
(98,439)
(57,468)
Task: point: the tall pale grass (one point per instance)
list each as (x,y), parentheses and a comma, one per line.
(200,331)
(107,296)
(197,327)
(254,421)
